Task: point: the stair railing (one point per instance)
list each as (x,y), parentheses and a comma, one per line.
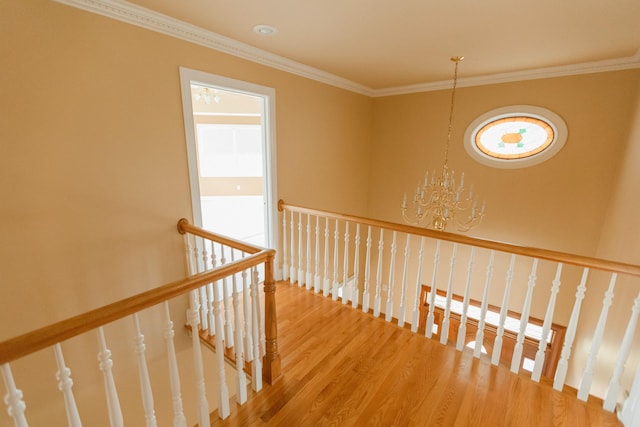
(265,361)
(428,298)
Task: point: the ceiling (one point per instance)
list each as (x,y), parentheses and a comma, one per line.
(382,44)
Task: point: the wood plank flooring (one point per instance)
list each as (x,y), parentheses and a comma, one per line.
(342,367)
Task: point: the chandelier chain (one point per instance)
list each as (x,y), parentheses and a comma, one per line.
(457,60)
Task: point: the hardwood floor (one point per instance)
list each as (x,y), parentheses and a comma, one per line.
(342,367)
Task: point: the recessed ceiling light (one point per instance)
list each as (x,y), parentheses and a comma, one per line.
(265,30)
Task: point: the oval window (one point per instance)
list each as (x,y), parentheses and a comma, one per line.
(515,136)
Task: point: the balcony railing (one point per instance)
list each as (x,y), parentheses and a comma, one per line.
(381,267)
(210,294)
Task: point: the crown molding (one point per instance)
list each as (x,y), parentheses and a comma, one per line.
(154,21)
(133,14)
(617,64)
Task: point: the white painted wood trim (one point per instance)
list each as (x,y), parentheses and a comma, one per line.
(154,21)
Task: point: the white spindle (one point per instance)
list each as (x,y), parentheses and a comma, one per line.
(367,274)
(325,282)
(256,366)
(179,419)
(300,274)
(345,266)
(524,319)
(587,376)
(13,398)
(376,299)
(309,277)
(444,334)
(228,324)
(285,254)
(630,411)
(428,332)
(113,403)
(336,285)
(246,310)
(392,263)
(210,302)
(204,308)
(477,350)
(613,391)
(403,288)
(223,390)
(462,329)
(65,385)
(563,363)
(143,373)
(546,326)
(241,378)
(317,283)
(416,302)
(504,308)
(192,319)
(355,293)
(292,267)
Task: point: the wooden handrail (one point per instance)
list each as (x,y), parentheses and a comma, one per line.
(185,227)
(47,336)
(579,260)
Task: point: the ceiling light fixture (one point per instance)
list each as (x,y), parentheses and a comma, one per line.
(440,199)
(265,30)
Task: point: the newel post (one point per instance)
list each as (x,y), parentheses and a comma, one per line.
(271,360)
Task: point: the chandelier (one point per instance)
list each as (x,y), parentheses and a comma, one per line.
(441,199)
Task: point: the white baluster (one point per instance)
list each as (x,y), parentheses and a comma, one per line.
(334,291)
(416,303)
(241,378)
(587,376)
(367,274)
(179,419)
(285,254)
(403,288)
(223,390)
(444,334)
(355,293)
(345,266)
(392,263)
(256,366)
(377,299)
(309,276)
(301,276)
(13,398)
(524,319)
(613,391)
(113,403)
(246,309)
(546,326)
(317,283)
(462,329)
(143,372)
(428,332)
(504,308)
(325,283)
(65,385)
(292,268)
(210,302)
(563,363)
(204,308)
(477,350)
(629,415)
(228,325)
(192,320)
